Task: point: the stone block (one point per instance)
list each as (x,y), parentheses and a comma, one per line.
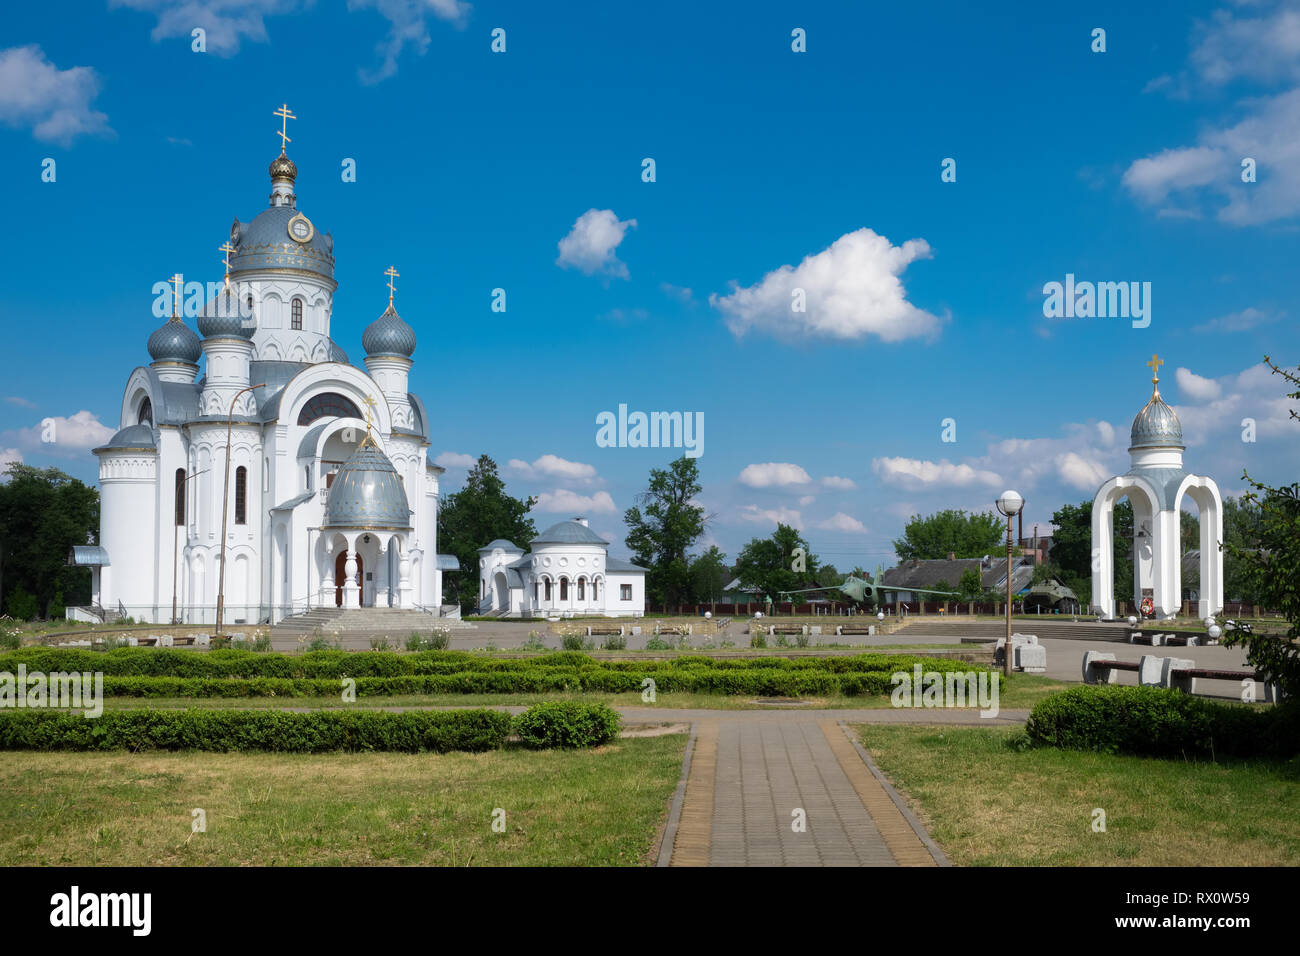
(1092,675)
(816,629)
(1151,670)
(635,630)
(133,642)
(166,640)
(1030,658)
(1024,639)
(1168,679)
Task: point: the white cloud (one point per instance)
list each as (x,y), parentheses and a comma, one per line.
(772,516)
(227,22)
(54,103)
(852,290)
(9,456)
(843,522)
(1197,387)
(773,474)
(591,243)
(407,27)
(69,437)
(1265,48)
(553,466)
(561,499)
(1082,473)
(916,473)
(20,401)
(838,483)
(1241,321)
(806,500)
(680,293)
(453,459)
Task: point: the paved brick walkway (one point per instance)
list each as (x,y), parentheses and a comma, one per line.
(788,793)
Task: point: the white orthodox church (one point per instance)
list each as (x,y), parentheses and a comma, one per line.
(331,498)
(1155,485)
(568,572)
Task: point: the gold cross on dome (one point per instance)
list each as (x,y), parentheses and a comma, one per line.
(176,280)
(1155,364)
(392,274)
(370,407)
(227,248)
(285,116)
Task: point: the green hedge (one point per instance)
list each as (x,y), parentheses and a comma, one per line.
(567,724)
(256,730)
(1160,722)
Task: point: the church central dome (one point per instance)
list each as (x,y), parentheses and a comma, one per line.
(1157,425)
(367,493)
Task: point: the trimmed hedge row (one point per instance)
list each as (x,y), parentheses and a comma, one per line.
(265,730)
(1160,722)
(557,724)
(769,682)
(567,724)
(170,662)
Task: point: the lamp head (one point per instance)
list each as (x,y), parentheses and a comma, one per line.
(1010,503)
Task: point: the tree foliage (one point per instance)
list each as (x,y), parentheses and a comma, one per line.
(1272,570)
(662,526)
(963,535)
(709,576)
(474,516)
(768,564)
(1070,560)
(43,513)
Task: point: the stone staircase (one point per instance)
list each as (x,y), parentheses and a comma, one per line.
(367,622)
(1047,628)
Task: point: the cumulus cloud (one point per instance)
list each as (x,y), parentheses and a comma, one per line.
(553,466)
(227,22)
(69,437)
(844,523)
(55,104)
(916,473)
(1079,472)
(1196,387)
(773,474)
(806,500)
(773,516)
(1264,48)
(1241,321)
(838,483)
(852,289)
(454,459)
(20,401)
(591,243)
(561,499)
(407,27)
(9,456)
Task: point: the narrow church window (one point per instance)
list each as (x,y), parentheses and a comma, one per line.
(564,589)
(297,313)
(593,591)
(582,589)
(548,589)
(146,413)
(180,497)
(241,495)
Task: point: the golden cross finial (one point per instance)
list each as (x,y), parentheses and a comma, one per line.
(392,274)
(370,406)
(176,280)
(1155,364)
(285,116)
(227,248)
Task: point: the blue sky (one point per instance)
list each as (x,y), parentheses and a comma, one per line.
(925,298)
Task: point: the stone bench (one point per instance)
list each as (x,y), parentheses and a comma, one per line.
(683,630)
(867,629)
(1173,672)
(597,629)
(774,629)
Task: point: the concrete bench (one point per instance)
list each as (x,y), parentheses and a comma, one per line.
(596,629)
(678,629)
(774,629)
(842,629)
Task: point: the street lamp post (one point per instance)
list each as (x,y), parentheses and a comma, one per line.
(225,508)
(1010,504)
(176,546)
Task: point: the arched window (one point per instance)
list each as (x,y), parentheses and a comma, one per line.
(180,496)
(564,589)
(594,596)
(328,404)
(582,589)
(297,314)
(146,413)
(241,495)
(548,589)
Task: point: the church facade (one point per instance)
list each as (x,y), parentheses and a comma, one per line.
(330,497)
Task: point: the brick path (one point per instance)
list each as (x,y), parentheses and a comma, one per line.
(751,781)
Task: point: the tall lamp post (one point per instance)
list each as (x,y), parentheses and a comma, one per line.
(175,540)
(1010,504)
(225,509)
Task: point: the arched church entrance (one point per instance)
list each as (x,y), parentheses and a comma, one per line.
(340,575)
(500,592)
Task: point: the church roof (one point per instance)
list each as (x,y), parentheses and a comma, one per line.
(569,532)
(1156,426)
(389,335)
(367,493)
(174,341)
(626,567)
(133,436)
(503,544)
(265,244)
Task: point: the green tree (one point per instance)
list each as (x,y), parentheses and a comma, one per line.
(474,516)
(828,577)
(768,563)
(1241,533)
(43,513)
(1273,571)
(969,586)
(709,575)
(964,535)
(662,526)
(1071,555)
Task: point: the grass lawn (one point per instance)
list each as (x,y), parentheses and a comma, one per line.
(988,805)
(1023,691)
(599,807)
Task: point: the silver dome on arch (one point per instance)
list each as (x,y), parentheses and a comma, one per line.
(1156,426)
(367,493)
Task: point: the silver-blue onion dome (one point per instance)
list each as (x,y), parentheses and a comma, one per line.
(389,335)
(175,341)
(367,493)
(220,318)
(1156,426)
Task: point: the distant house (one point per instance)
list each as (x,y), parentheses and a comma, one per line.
(905,581)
